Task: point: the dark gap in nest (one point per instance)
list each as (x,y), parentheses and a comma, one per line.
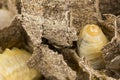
(112,74)
(74,45)
(108,33)
(24,39)
(46,41)
(27,42)
(67,55)
(57,48)
(40,78)
(110,6)
(15,36)
(1,5)
(18,5)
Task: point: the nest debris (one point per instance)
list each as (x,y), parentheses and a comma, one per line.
(49,28)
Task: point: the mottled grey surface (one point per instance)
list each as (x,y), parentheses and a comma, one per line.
(49,29)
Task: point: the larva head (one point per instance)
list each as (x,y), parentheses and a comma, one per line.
(92,30)
(92,33)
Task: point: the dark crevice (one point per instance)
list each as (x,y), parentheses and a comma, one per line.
(46,41)
(27,42)
(110,6)
(112,74)
(18,5)
(74,45)
(15,36)
(66,52)
(56,47)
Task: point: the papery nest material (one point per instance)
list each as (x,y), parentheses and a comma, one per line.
(63,19)
(112,49)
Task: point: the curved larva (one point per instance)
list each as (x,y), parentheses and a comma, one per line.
(91,41)
(13,65)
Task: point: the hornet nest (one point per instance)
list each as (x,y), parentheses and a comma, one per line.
(48,29)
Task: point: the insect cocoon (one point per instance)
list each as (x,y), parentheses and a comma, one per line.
(13,65)
(91,41)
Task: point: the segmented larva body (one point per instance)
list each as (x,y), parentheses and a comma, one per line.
(91,41)
(13,65)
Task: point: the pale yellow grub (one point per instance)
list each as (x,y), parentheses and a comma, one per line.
(13,65)
(91,41)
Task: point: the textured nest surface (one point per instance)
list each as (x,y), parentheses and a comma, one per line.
(49,30)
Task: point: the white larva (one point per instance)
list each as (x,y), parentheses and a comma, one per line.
(7,15)
(13,65)
(6,18)
(91,41)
